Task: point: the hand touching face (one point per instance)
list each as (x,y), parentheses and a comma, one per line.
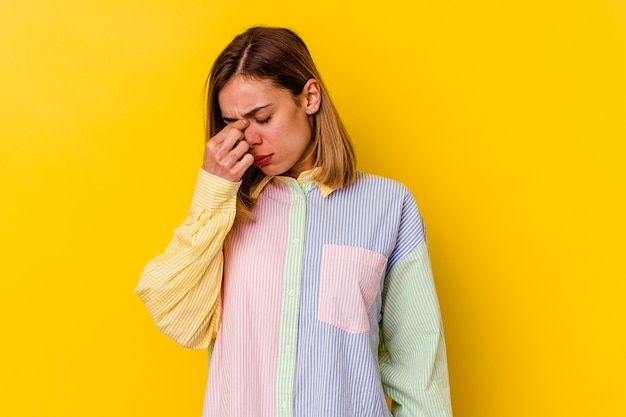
(226,154)
(279,125)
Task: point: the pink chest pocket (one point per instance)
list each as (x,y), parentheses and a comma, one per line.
(350,279)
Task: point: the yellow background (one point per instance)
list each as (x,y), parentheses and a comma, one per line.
(507,119)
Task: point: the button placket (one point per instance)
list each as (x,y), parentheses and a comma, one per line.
(291,298)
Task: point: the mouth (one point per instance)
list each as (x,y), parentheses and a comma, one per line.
(262,160)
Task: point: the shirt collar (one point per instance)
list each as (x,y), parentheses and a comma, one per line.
(307,176)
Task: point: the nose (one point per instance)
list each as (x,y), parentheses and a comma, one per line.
(252,136)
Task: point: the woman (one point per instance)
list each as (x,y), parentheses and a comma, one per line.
(309,281)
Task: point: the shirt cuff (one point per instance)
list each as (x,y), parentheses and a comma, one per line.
(215,193)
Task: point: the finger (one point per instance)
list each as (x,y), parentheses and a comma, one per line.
(240,149)
(244,163)
(231,156)
(232,137)
(237,127)
(232,134)
(240,124)
(223,144)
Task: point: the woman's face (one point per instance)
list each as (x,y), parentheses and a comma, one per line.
(279,133)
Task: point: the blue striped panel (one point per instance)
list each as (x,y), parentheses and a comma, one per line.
(337,372)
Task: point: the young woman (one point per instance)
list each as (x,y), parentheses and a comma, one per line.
(309,281)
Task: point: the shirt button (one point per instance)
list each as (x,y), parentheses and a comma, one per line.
(296,241)
(288,348)
(292,293)
(284,405)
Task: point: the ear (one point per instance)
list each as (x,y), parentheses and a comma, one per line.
(311,96)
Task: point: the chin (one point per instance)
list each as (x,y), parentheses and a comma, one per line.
(278,170)
(271,171)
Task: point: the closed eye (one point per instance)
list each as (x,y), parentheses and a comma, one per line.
(262,122)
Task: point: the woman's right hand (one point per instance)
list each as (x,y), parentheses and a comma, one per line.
(226,154)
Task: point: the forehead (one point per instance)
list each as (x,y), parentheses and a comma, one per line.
(240,95)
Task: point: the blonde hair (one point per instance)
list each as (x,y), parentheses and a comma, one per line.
(279,55)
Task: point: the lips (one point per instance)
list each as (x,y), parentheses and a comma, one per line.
(261,160)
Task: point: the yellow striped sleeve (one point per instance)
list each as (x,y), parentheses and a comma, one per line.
(181,287)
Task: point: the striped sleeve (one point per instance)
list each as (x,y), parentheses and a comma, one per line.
(181,287)
(412,352)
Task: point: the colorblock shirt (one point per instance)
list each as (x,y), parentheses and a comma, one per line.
(321,306)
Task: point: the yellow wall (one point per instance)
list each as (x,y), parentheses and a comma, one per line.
(506,119)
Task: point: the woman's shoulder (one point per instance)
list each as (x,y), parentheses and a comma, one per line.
(379,184)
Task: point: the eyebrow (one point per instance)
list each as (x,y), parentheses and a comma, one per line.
(248,114)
